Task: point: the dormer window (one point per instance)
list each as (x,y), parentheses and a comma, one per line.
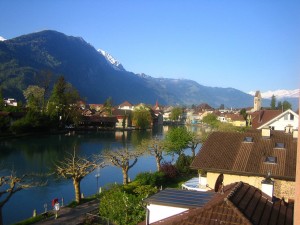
(248,139)
(271,159)
(279,145)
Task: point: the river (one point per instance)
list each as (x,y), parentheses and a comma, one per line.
(37,154)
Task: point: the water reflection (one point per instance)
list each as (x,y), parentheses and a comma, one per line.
(38,153)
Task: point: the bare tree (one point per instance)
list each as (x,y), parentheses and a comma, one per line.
(121,158)
(155,147)
(11,184)
(193,143)
(76,168)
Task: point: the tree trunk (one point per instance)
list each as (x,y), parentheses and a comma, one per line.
(76,184)
(158,166)
(125,176)
(193,152)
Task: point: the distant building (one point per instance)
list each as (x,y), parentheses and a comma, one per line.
(10,102)
(257,101)
(274,119)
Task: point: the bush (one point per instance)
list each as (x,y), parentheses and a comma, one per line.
(122,207)
(153,179)
(32,122)
(183,164)
(169,170)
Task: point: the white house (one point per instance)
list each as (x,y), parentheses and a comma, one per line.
(170,202)
(286,121)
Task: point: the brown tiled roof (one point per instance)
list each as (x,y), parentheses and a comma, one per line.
(126,103)
(235,117)
(261,117)
(241,203)
(227,152)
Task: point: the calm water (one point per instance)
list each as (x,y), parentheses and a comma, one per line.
(37,154)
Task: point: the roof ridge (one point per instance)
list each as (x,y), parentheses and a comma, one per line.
(234,190)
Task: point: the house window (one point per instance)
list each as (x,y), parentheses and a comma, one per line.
(286,117)
(271,159)
(248,139)
(279,145)
(291,117)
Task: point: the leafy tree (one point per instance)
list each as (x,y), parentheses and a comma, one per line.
(33,121)
(273,102)
(62,103)
(176,112)
(11,183)
(1,101)
(155,147)
(279,105)
(141,117)
(44,79)
(121,158)
(177,140)
(243,112)
(210,119)
(183,164)
(286,105)
(4,122)
(124,208)
(108,105)
(35,97)
(76,168)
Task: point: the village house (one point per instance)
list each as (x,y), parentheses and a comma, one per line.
(251,157)
(10,102)
(158,112)
(236,203)
(235,119)
(274,119)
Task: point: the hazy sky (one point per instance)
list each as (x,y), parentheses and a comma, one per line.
(244,44)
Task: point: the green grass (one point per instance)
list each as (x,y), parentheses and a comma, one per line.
(73,204)
(33,220)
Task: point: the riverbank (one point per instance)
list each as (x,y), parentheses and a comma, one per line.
(68,215)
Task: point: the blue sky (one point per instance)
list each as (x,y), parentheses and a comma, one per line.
(244,44)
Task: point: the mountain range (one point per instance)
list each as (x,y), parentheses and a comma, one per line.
(97,75)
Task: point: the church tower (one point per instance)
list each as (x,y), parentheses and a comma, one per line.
(257,101)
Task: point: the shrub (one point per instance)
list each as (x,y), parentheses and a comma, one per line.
(122,207)
(169,170)
(183,164)
(153,179)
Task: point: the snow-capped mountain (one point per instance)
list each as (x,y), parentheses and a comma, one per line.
(111,60)
(279,94)
(2,38)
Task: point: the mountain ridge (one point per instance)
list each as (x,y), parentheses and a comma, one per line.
(22,58)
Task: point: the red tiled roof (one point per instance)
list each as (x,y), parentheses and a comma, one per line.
(261,117)
(227,152)
(241,203)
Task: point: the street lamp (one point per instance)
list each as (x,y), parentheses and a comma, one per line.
(97,177)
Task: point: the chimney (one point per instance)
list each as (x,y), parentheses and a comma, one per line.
(265,132)
(295,133)
(288,129)
(267,185)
